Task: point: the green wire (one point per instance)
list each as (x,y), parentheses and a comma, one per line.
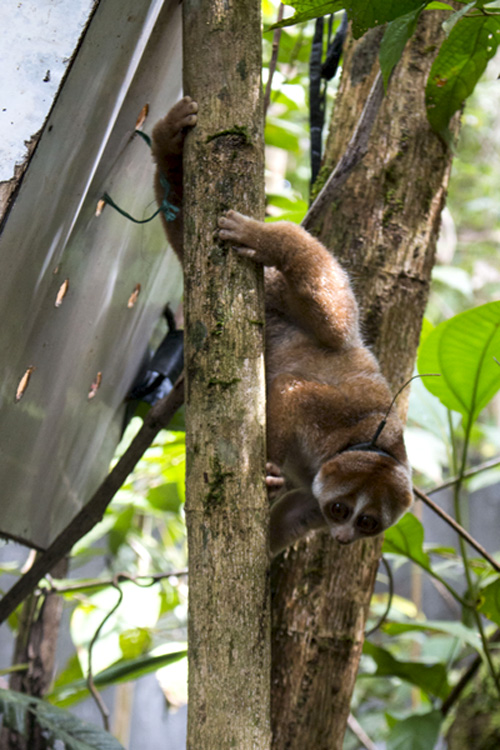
(167,209)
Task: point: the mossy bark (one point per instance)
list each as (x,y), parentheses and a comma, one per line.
(35,646)
(383,230)
(476,722)
(226,506)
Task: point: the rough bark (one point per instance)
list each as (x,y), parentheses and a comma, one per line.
(35,646)
(383,230)
(226,506)
(476,722)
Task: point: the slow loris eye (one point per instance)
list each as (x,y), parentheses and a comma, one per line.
(339,511)
(367,524)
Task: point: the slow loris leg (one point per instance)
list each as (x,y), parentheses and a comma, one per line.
(316,290)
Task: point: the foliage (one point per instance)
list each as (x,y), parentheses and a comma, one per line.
(58,725)
(473,37)
(144,533)
(462,350)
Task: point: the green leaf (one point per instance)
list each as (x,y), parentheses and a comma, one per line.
(306,10)
(365,14)
(455,17)
(121,671)
(134,642)
(131,669)
(396,35)
(426,330)
(439,6)
(291,208)
(58,723)
(71,672)
(457,68)
(462,350)
(283,134)
(165,497)
(431,678)
(407,538)
(118,533)
(419,732)
(451,628)
(490,601)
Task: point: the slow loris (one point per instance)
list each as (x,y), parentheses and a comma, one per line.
(326,396)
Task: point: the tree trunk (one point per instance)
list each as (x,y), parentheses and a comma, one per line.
(226,508)
(383,230)
(35,646)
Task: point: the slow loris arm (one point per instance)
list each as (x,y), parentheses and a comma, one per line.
(317,287)
(167,143)
(292,516)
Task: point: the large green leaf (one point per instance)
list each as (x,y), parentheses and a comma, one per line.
(490,601)
(396,35)
(121,671)
(463,351)
(364,14)
(407,538)
(419,732)
(165,497)
(57,723)
(450,627)
(305,10)
(459,65)
(455,17)
(431,678)
(283,134)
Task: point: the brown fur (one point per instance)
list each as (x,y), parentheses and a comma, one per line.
(325,390)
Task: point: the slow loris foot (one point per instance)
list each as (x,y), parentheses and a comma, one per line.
(169,133)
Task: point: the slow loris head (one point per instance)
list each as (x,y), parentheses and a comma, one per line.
(361,493)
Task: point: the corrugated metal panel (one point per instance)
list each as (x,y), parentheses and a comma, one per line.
(55,442)
(37,41)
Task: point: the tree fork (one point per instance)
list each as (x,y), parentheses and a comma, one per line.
(226,505)
(383,228)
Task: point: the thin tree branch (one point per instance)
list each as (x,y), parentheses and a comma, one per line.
(119,578)
(360,733)
(274,60)
(355,151)
(390,597)
(103,709)
(157,418)
(456,527)
(467,474)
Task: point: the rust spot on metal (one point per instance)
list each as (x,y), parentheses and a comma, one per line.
(100,206)
(133,297)
(61,293)
(142,117)
(23,383)
(95,385)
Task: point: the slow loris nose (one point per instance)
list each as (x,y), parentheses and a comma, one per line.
(343,535)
